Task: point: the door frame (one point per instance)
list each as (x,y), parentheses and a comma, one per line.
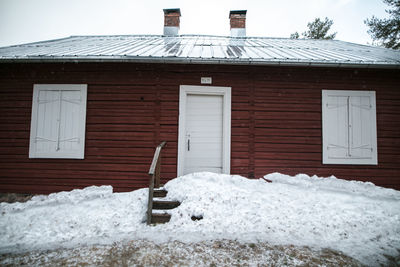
(225,92)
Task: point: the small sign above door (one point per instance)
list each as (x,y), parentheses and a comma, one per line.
(206,80)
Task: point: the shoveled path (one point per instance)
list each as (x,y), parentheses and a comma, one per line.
(211,253)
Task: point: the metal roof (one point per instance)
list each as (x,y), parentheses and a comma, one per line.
(203,49)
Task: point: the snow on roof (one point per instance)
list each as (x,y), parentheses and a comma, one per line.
(357,218)
(204,49)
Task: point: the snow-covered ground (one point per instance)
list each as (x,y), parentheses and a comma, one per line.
(359,219)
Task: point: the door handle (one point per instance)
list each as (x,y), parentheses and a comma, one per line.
(188,144)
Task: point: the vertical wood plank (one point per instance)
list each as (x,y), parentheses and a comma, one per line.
(251,173)
(157,107)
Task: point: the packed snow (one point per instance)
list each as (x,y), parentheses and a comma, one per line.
(359,219)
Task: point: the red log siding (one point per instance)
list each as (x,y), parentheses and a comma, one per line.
(276,122)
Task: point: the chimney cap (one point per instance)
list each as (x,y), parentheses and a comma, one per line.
(172,10)
(237,12)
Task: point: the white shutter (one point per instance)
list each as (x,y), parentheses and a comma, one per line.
(349,127)
(71,135)
(45,102)
(363,128)
(58,121)
(335,131)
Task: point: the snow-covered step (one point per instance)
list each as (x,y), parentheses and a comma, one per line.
(154,211)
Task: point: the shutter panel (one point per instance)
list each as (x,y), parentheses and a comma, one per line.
(70,132)
(363,128)
(45,137)
(335,128)
(58,121)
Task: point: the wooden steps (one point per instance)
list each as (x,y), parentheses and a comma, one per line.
(157,208)
(165,205)
(159,193)
(162,216)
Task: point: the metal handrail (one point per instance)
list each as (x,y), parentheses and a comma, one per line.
(154,173)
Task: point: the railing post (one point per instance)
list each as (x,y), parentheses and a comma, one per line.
(150,200)
(158,171)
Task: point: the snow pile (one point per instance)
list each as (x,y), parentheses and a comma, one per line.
(359,219)
(90,215)
(366,189)
(67,197)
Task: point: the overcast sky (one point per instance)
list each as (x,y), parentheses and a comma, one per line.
(23,21)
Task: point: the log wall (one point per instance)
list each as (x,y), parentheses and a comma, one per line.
(131,108)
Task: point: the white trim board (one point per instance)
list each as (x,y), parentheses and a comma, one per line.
(225,92)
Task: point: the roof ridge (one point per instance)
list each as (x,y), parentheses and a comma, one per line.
(197,35)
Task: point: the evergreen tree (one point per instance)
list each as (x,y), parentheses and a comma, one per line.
(294,35)
(386,31)
(318,29)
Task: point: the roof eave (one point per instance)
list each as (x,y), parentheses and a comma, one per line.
(222,61)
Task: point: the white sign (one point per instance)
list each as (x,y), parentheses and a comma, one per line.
(206,80)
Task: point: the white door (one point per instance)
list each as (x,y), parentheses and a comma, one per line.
(204,137)
(203,133)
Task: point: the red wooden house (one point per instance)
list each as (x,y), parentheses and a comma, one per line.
(89,110)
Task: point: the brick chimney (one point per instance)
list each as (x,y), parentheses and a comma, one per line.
(238,23)
(171,21)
